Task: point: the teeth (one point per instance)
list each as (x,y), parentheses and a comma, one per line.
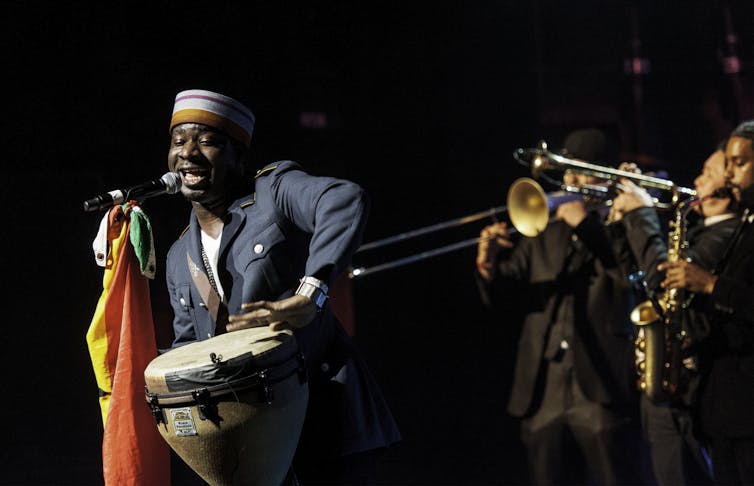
(193,176)
(190,178)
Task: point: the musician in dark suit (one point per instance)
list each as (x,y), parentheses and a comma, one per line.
(677,456)
(269,248)
(571,384)
(726,403)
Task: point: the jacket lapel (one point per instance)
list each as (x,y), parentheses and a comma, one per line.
(236,219)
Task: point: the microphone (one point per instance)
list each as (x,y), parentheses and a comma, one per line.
(170,183)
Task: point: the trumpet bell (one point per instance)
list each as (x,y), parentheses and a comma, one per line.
(528,207)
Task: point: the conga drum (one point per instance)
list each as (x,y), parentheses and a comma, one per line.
(232,407)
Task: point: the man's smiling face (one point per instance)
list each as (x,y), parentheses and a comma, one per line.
(206,160)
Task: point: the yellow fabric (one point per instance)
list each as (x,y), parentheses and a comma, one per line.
(96,336)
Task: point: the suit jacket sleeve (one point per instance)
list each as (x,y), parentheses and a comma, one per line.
(734,296)
(594,234)
(333,211)
(647,241)
(733,291)
(512,267)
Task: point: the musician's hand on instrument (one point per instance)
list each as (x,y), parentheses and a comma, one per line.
(572,213)
(571,178)
(294,312)
(631,197)
(492,239)
(629,167)
(687,275)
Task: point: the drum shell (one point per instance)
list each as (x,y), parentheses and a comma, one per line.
(245,440)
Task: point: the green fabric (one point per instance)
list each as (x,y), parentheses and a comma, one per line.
(142,242)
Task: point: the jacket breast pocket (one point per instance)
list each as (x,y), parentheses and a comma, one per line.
(264,257)
(185,325)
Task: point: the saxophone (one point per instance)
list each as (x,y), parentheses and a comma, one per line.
(661,338)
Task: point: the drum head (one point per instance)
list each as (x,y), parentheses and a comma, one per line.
(219,359)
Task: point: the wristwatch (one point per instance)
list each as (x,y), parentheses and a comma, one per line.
(315,289)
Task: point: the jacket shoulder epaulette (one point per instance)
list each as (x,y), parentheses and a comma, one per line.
(265,170)
(250,202)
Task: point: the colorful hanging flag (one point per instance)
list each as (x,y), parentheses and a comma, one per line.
(122,343)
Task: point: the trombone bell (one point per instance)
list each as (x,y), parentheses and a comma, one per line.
(528,208)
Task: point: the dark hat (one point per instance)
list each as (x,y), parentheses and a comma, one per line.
(589,144)
(744,130)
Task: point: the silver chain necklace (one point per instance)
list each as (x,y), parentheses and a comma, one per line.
(210,275)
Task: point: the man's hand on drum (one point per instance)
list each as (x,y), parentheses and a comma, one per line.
(294,312)
(492,239)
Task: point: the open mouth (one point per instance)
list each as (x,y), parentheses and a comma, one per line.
(194,176)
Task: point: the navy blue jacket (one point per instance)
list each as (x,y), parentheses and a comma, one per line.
(294,224)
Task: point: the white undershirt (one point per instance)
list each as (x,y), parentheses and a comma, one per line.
(212,249)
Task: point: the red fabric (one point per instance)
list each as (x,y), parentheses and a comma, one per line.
(133,452)
(341,302)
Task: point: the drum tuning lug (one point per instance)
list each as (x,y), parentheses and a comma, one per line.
(207,409)
(265,393)
(157,412)
(215,358)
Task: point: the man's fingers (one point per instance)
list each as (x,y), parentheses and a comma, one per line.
(254,314)
(260,304)
(504,242)
(279,326)
(237,325)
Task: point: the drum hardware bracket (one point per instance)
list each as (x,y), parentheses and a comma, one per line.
(265,392)
(302,374)
(207,397)
(216,359)
(157,412)
(206,406)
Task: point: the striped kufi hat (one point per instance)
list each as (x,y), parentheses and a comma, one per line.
(214,110)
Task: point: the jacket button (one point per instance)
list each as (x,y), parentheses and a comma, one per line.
(183,302)
(258,248)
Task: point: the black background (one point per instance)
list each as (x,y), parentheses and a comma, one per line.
(425,102)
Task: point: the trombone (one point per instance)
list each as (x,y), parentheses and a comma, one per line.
(541,159)
(364,271)
(528,206)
